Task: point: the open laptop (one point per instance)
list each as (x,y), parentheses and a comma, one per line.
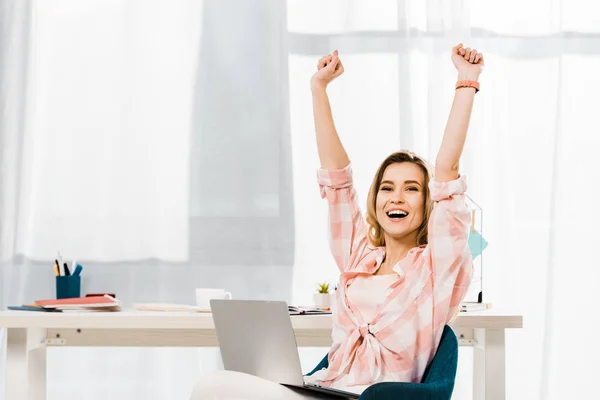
(257,338)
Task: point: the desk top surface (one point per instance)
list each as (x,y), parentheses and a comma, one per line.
(132,319)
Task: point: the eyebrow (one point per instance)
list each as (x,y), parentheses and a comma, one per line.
(405,182)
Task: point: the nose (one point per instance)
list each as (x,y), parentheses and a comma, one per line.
(397,198)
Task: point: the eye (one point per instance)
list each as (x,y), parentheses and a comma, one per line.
(413,188)
(386,188)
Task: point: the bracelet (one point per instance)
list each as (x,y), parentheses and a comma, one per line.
(463,84)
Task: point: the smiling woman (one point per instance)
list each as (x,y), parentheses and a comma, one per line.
(415,236)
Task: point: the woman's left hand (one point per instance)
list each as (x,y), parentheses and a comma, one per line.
(468,62)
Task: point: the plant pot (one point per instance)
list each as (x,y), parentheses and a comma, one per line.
(322,300)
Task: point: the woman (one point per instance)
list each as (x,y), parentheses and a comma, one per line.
(404,271)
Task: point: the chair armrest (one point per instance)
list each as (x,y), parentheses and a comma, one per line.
(406,390)
(324,363)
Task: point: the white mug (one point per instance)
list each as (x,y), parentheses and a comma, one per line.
(203,296)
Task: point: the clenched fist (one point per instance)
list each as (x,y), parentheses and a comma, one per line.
(329,67)
(468,62)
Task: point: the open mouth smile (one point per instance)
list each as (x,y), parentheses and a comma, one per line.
(397,215)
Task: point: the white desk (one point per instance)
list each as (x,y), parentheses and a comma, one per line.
(30,333)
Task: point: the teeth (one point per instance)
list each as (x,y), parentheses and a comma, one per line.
(397,212)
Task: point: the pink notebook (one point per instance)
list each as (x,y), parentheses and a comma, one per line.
(106,303)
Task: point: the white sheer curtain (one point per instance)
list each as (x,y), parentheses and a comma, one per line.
(529,155)
(149,139)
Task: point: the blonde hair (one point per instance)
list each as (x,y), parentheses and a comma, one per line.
(375,230)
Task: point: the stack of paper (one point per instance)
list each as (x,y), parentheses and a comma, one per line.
(472,306)
(174,307)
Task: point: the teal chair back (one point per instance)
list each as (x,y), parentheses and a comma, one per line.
(438,379)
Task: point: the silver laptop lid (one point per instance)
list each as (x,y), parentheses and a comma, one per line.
(257,338)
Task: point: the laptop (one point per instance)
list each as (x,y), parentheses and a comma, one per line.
(257,338)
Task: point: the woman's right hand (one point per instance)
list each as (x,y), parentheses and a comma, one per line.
(329,67)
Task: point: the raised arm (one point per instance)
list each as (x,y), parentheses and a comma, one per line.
(469,64)
(449,223)
(347,228)
(331,151)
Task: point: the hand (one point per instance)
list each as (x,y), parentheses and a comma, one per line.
(468,62)
(329,67)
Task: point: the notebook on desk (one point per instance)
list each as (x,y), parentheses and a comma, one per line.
(299,310)
(32,307)
(89,303)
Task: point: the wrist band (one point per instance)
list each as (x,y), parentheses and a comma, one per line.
(473,84)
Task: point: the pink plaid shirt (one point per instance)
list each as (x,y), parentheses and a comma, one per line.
(399,342)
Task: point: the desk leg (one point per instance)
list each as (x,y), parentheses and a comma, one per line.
(26,364)
(489,380)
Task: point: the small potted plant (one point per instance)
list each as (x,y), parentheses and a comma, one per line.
(322,297)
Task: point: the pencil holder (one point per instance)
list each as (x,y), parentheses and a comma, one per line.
(68,286)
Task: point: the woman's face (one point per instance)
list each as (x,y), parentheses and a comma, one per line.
(400,200)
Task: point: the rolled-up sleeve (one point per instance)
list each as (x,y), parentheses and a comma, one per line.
(347,228)
(447,249)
